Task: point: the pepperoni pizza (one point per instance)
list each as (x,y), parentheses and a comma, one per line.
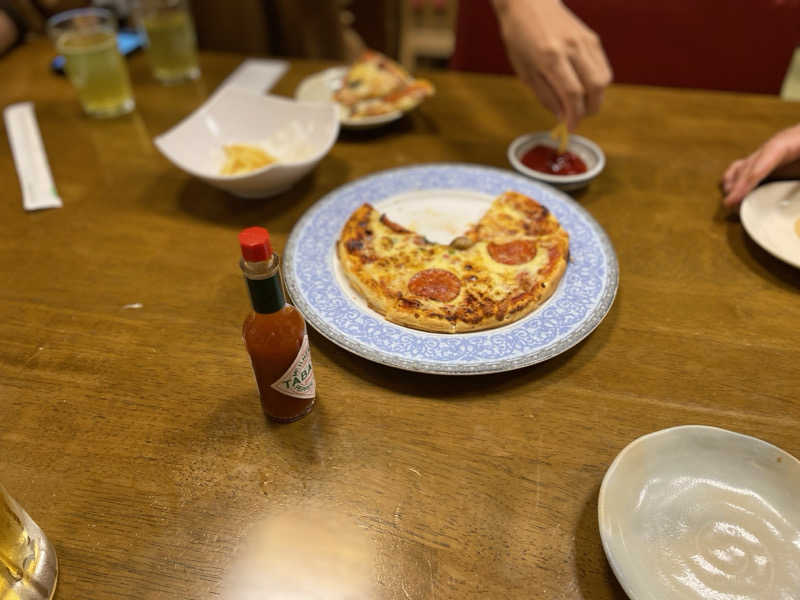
(500,270)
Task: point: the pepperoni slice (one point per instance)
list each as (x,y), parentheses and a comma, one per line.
(513,253)
(436,284)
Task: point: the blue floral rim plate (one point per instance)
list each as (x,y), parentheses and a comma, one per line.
(316,286)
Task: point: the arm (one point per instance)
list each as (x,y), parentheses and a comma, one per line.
(554,53)
(9,32)
(778,156)
(311,28)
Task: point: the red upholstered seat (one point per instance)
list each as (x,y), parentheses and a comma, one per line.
(742,45)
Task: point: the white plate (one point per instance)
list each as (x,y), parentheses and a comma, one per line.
(320,88)
(698,512)
(441,201)
(771,216)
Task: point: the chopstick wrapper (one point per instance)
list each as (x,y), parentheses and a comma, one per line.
(33,170)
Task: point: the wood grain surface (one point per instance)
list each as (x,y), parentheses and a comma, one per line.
(134,436)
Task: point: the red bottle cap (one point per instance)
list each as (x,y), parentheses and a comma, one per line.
(255,245)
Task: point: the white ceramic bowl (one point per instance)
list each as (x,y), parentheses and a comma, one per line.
(298,134)
(698,512)
(587,150)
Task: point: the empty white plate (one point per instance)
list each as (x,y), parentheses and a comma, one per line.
(699,512)
(771,216)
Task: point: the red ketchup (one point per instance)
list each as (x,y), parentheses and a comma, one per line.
(548,160)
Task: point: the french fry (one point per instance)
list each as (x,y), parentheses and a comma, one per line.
(560,134)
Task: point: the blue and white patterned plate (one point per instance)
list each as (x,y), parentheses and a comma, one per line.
(440,200)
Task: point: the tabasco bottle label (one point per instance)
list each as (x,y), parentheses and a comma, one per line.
(298,380)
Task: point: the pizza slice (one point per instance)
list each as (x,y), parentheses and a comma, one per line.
(514,215)
(377,85)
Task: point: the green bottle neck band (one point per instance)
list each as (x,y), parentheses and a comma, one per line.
(264,284)
(266,295)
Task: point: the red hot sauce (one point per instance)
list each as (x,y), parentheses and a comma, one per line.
(548,160)
(274,334)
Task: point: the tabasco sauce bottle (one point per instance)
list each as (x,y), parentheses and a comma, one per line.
(275,334)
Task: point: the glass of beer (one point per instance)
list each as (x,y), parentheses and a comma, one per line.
(87,38)
(171,40)
(28,564)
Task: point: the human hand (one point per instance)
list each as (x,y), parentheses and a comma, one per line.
(558,56)
(779,155)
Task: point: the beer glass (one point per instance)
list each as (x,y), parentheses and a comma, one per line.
(87,38)
(28,564)
(171,41)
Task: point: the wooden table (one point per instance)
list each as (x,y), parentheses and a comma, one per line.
(134,436)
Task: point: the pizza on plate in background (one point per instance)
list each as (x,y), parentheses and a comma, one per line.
(376,85)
